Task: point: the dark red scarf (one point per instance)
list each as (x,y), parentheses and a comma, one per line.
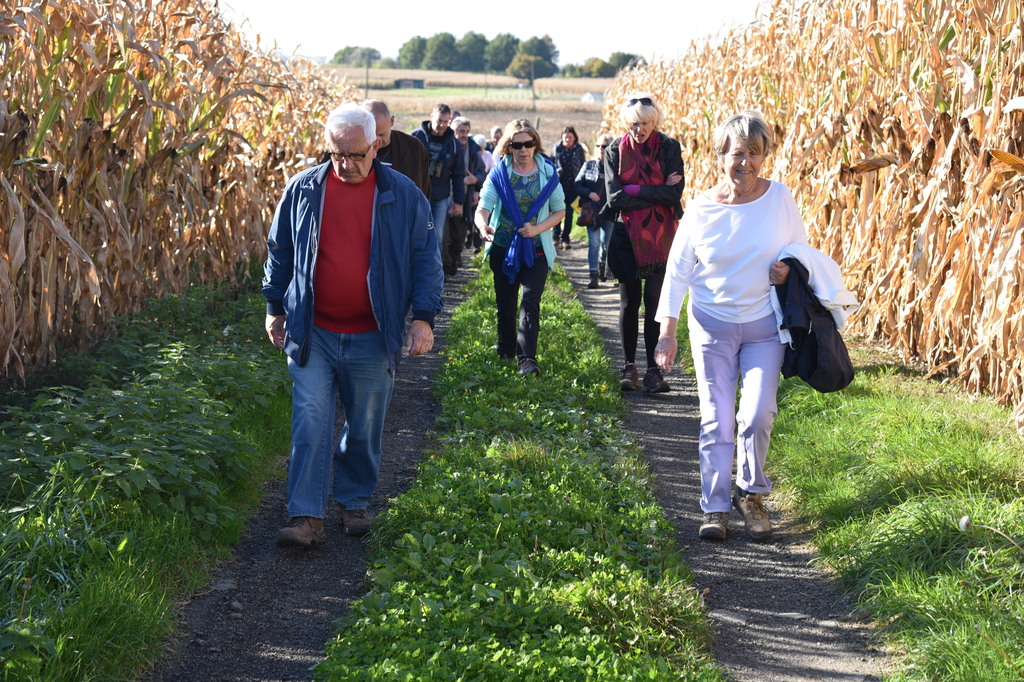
(650,229)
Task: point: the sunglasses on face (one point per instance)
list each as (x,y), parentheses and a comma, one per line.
(602,146)
(646,101)
(529,144)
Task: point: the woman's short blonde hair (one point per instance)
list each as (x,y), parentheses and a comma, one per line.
(638,112)
(513,128)
(747,128)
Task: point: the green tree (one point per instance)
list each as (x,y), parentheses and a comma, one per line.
(622,60)
(528,67)
(410,55)
(541,48)
(500,51)
(471,48)
(441,54)
(573,71)
(353,55)
(595,67)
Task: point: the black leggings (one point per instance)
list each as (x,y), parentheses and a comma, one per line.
(562,231)
(631,293)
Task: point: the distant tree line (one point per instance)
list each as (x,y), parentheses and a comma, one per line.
(473,52)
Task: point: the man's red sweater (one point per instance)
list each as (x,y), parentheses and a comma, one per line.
(340,290)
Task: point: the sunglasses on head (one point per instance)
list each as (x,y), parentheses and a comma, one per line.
(646,101)
(529,144)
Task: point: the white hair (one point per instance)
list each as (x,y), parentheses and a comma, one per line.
(460,121)
(347,116)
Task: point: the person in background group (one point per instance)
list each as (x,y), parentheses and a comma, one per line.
(644,180)
(569,158)
(458,225)
(726,257)
(401,151)
(473,239)
(519,204)
(492,144)
(447,169)
(349,253)
(590,187)
(485,153)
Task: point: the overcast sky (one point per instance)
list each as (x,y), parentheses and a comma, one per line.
(580,30)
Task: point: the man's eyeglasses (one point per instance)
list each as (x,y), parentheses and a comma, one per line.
(529,144)
(646,101)
(602,146)
(338,156)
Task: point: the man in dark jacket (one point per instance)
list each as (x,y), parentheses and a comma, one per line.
(446,165)
(401,151)
(459,225)
(350,253)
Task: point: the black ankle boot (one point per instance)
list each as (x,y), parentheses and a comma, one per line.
(593,280)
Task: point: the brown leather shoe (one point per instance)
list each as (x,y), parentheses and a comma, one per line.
(355,521)
(715,526)
(755,516)
(302,531)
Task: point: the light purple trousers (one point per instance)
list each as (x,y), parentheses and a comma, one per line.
(723,354)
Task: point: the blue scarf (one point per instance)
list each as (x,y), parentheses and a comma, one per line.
(520,249)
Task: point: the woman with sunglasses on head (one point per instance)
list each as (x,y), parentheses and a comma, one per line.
(591,190)
(644,182)
(520,202)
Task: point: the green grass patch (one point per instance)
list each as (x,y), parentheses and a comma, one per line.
(899,479)
(531,543)
(123,471)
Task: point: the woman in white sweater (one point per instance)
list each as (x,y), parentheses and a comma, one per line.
(725,255)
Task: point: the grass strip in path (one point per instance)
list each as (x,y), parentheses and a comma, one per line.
(531,541)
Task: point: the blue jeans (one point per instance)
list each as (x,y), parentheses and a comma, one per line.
(439,214)
(597,242)
(354,366)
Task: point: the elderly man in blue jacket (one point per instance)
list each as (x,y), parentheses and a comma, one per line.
(350,252)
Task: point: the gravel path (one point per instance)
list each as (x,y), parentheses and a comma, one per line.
(775,616)
(266,615)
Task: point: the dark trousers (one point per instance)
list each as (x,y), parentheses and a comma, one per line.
(631,293)
(565,229)
(455,241)
(522,342)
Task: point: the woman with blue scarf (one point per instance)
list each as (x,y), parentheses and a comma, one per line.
(519,204)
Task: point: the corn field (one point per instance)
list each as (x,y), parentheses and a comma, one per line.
(143,146)
(900,129)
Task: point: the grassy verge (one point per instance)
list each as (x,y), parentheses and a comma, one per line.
(123,474)
(916,498)
(531,541)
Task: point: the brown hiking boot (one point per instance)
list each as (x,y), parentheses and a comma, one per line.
(630,377)
(355,521)
(755,516)
(302,531)
(715,526)
(654,381)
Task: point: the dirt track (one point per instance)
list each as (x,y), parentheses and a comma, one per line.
(266,615)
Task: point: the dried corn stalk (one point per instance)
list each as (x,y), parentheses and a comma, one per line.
(901,130)
(142,147)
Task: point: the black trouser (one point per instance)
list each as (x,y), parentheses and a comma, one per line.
(631,293)
(455,236)
(565,229)
(521,343)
